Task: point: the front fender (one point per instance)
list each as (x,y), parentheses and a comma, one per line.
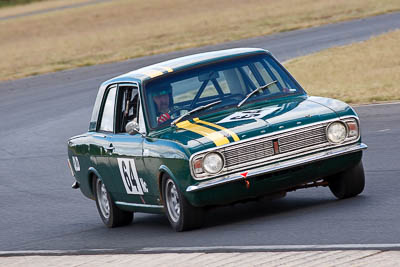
(182,178)
(339,107)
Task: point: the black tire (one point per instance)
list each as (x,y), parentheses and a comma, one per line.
(348,183)
(110,214)
(181,214)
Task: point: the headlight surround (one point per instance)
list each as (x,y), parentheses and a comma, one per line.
(336,132)
(213,162)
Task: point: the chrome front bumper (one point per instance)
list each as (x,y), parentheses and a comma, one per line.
(274,167)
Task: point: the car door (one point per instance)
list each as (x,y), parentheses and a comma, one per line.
(100,147)
(126,161)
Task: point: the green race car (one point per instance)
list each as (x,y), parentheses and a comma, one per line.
(211,129)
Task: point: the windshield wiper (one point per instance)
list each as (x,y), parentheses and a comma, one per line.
(195,110)
(255,91)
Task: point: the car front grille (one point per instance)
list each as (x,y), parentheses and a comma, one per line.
(288,143)
(248,153)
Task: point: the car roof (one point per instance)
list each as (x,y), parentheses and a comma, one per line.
(181,63)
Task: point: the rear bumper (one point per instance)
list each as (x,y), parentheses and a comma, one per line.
(279,166)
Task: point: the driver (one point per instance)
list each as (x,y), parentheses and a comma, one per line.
(163,100)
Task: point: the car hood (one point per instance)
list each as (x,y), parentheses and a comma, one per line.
(227,127)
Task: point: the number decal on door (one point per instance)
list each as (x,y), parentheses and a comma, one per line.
(133,184)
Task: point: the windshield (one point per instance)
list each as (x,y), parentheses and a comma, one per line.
(230,82)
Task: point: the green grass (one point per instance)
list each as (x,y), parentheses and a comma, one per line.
(364,72)
(122,29)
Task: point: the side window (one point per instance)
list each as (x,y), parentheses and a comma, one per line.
(127,107)
(107,119)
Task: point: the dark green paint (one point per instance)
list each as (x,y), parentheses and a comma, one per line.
(168,150)
(272,183)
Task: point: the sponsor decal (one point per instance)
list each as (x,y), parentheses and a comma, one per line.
(155,71)
(152,73)
(75,162)
(133,184)
(168,69)
(249,114)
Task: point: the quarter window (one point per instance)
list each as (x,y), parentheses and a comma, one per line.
(107,120)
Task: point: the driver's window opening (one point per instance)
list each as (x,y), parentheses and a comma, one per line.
(127,106)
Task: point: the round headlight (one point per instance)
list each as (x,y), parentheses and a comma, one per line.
(213,162)
(336,132)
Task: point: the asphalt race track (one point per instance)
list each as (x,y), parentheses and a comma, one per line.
(40,211)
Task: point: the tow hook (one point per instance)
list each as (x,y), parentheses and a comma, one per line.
(75,185)
(246,182)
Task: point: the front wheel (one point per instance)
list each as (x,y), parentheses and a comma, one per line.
(181,214)
(348,183)
(110,214)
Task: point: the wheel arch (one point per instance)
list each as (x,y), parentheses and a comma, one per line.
(162,171)
(92,172)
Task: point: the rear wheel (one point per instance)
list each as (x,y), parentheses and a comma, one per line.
(181,214)
(110,214)
(348,183)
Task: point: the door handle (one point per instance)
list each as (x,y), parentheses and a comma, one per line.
(100,135)
(110,148)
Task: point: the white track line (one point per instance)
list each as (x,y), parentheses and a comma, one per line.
(274,248)
(55,252)
(211,249)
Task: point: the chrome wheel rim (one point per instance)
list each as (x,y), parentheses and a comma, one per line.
(102,199)
(173,202)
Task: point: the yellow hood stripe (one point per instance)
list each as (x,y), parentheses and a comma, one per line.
(218,138)
(234,136)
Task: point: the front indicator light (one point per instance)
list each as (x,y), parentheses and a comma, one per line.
(198,166)
(336,132)
(353,129)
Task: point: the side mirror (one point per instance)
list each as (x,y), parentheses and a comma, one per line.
(132,127)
